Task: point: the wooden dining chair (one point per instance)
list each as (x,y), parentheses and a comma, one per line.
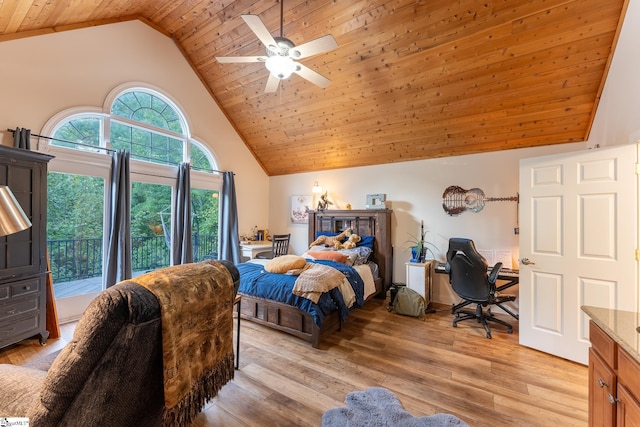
(279,246)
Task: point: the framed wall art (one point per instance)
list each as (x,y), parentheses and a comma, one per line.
(299,207)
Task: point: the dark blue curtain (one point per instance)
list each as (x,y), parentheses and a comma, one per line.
(229,239)
(118,256)
(181,245)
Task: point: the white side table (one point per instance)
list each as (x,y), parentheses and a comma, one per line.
(418,276)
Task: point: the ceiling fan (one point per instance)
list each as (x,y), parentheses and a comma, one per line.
(281,54)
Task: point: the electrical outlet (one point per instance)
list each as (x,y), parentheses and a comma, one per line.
(516,230)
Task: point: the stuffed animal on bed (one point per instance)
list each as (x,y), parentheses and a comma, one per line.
(331,240)
(350,243)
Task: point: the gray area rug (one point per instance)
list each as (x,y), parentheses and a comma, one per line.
(379,407)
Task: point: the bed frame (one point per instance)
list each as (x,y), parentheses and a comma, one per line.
(286,318)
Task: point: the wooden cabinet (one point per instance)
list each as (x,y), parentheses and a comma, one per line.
(23,263)
(628,408)
(614,382)
(602,389)
(418,276)
(628,413)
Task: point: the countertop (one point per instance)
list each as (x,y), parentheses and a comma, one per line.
(619,325)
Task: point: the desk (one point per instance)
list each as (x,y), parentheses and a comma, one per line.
(512,277)
(236,302)
(251,249)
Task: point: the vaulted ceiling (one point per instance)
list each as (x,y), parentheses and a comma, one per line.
(411,79)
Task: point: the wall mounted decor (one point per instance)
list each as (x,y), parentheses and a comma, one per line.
(376,201)
(299,207)
(456,200)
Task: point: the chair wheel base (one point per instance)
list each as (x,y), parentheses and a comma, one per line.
(482,317)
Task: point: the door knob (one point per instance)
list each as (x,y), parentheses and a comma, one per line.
(526,261)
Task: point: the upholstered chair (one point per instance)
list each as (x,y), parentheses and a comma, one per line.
(111,373)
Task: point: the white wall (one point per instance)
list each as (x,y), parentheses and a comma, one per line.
(414,189)
(414,192)
(44,75)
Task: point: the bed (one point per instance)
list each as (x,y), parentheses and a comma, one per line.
(281,315)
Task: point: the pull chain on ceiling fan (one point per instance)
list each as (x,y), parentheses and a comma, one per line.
(281,54)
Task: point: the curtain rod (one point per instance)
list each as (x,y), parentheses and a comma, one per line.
(111,150)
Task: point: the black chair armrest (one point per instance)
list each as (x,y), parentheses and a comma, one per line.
(493,276)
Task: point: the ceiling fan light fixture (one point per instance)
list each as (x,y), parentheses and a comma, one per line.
(282,53)
(280,66)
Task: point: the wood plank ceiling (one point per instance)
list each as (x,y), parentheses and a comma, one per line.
(411,79)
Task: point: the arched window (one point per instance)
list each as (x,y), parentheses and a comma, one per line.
(140,121)
(201,159)
(148,127)
(155,131)
(148,108)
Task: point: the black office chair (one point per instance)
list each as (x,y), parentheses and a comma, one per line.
(279,246)
(469,278)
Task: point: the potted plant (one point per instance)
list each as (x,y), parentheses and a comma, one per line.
(420,248)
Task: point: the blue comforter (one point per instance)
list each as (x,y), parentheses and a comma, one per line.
(255,281)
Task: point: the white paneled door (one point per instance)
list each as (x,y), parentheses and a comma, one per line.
(578,223)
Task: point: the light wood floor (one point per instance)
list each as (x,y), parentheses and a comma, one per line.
(431,366)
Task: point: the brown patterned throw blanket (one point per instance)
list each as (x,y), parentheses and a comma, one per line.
(197,335)
(315,280)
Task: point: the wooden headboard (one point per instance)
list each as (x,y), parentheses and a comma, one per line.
(369,222)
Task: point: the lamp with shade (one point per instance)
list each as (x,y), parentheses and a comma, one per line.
(12,217)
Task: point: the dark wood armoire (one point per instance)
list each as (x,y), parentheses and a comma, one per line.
(23,255)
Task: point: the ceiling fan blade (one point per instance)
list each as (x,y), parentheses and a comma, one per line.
(314,77)
(256,25)
(234,59)
(314,47)
(272,84)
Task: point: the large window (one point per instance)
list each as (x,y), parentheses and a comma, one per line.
(74,232)
(162,145)
(204,223)
(150,226)
(155,132)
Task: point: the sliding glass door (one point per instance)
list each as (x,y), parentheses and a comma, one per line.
(74,233)
(204,224)
(150,226)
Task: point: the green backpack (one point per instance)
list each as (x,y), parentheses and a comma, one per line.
(409,303)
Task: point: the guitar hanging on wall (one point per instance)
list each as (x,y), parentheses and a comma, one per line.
(456,200)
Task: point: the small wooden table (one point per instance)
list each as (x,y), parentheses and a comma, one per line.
(236,302)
